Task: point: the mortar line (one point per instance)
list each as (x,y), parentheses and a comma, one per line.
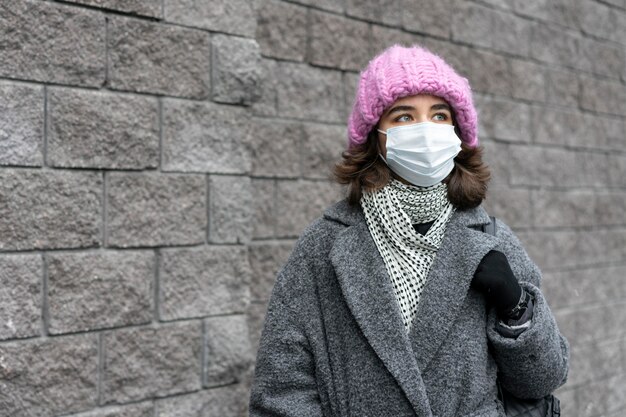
(157,286)
(100,365)
(44,300)
(45,126)
(105,237)
(160,117)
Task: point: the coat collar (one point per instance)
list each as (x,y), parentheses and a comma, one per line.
(369,294)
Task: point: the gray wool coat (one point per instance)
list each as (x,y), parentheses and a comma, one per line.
(333,342)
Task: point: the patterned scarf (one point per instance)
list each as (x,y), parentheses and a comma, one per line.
(408,255)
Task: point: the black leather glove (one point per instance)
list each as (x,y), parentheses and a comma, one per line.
(494,278)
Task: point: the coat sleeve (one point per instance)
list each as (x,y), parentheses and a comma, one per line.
(536,362)
(284,382)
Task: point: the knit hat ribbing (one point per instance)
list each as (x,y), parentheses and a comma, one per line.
(401,71)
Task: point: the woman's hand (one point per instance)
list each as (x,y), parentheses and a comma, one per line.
(494,278)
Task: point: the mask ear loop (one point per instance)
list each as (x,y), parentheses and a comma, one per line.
(378,146)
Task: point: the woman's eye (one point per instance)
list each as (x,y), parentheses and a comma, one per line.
(442,117)
(403,118)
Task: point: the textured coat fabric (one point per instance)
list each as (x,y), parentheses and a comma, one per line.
(333,342)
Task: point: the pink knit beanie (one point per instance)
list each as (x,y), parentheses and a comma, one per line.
(405,71)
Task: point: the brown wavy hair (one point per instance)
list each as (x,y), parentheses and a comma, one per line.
(361,168)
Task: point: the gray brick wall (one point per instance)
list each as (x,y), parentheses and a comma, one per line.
(159,158)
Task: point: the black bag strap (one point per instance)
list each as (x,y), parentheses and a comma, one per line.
(487,228)
(491,227)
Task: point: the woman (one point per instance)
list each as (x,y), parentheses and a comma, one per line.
(393,303)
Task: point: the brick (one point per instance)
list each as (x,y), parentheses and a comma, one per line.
(528,80)
(565,12)
(48,377)
(592,169)
(602,397)
(150,8)
(145,409)
(511,205)
(389,12)
(21,278)
(155,209)
(275,148)
(596,19)
(383,37)
(585,286)
(159,59)
(530,165)
(266,259)
(228,401)
(578,208)
(535,8)
(422,18)
(323,145)
(228,355)
(230,16)
(146,362)
(231,209)
(570,248)
(300,202)
(496,156)
(555,47)
(560,127)
(309,93)
(203,281)
(338,42)
(594,360)
(617,170)
(588,323)
(205,137)
(611,130)
(503,119)
(21,124)
(513,34)
(264,215)
(49,209)
(603,58)
(487,72)
(267,104)
(96,290)
(237,75)
(256,319)
(52,43)
(473,23)
(281,30)
(350,86)
(619,34)
(562,87)
(94,129)
(608,206)
(603,96)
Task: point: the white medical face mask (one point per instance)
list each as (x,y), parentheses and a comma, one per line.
(422,153)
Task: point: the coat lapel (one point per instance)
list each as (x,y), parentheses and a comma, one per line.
(369,294)
(448,282)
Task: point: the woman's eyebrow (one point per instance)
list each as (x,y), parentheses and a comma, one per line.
(399,109)
(440,106)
